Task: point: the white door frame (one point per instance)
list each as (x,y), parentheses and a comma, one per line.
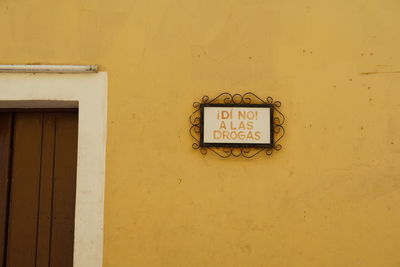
(89,93)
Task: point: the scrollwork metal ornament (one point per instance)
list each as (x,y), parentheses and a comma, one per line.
(247,152)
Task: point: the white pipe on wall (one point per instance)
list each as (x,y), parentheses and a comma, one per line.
(49,68)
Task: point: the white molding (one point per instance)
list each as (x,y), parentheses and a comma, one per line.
(89,91)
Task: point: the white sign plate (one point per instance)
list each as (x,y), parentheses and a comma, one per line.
(237,125)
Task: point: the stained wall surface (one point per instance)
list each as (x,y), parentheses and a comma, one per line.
(329,198)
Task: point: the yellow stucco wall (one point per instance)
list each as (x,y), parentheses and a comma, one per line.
(329,198)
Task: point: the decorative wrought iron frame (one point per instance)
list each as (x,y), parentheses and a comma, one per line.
(225,150)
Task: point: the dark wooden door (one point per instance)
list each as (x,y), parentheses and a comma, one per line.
(38,154)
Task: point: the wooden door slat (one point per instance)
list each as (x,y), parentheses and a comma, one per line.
(24,195)
(5,147)
(46,191)
(64,187)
